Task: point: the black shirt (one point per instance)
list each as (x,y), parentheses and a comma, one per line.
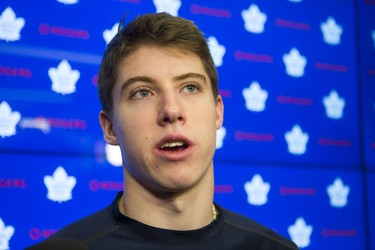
(109,229)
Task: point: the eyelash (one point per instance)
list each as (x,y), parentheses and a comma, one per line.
(140,89)
(192,84)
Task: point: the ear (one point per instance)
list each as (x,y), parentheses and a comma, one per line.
(219,112)
(107,128)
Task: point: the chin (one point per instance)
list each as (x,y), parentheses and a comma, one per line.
(185,183)
(181,186)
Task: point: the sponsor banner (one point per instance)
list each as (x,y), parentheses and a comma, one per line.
(297,81)
(50,66)
(41,193)
(316,208)
(73,187)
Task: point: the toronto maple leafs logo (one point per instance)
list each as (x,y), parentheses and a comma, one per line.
(257,190)
(108,35)
(36,123)
(296,140)
(67,2)
(63,78)
(334,105)
(6,233)
(254,19)
(331,31)
(168,6)
(59,185)
(217,50)
(10,26)
(300,233)
(8,120)
(294,63)
(338,193)
(113,155)
(255,97)
(220,135)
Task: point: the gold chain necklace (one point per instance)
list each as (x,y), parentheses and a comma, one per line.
(214,213)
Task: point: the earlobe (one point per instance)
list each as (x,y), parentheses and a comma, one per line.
(219,112)
(107,128)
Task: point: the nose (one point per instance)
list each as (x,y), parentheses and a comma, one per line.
(171,110)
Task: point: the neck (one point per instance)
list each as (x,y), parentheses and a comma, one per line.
(184,210)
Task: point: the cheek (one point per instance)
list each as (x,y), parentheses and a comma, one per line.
(134,143)
(134,135)
(136,131)
(208,117)
(132,120)
(126,129)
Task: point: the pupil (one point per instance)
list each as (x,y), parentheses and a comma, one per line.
(191,88)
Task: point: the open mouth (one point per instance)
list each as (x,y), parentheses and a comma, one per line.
(174,146)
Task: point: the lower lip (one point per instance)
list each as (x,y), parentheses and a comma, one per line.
(177,155)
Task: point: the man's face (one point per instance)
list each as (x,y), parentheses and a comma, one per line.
(164,118)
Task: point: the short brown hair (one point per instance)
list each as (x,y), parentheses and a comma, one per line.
(159,29)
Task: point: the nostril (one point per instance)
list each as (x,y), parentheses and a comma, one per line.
(172,119)
(167,116)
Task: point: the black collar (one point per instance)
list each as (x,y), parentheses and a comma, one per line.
(140,231)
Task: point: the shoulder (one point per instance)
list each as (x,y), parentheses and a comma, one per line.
(78,233)
(90,227)
(241,225)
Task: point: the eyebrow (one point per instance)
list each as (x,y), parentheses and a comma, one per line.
(190,75)
(148,79)
(132,80)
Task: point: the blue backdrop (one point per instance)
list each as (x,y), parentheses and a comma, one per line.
(297,148)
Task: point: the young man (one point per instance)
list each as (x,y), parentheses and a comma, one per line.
(159,90)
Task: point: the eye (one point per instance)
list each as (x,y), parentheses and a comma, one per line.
(191,87)
(141,93)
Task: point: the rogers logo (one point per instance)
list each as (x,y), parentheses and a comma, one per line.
(38,233)
(252,136)
(94,80)
(334,142)
(15,72)
(13,183)
(331,67)
(339,232)
(203,10)
(221,189)
(225,93)
(45,29)
(96,185)
(281,99)
(249,56)
(66,123)
(282,23)
(297,191)
(45,124)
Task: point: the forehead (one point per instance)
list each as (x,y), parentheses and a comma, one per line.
(159,61)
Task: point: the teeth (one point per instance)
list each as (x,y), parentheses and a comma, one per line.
(172,144)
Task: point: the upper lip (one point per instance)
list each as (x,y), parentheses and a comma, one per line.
(173,140)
